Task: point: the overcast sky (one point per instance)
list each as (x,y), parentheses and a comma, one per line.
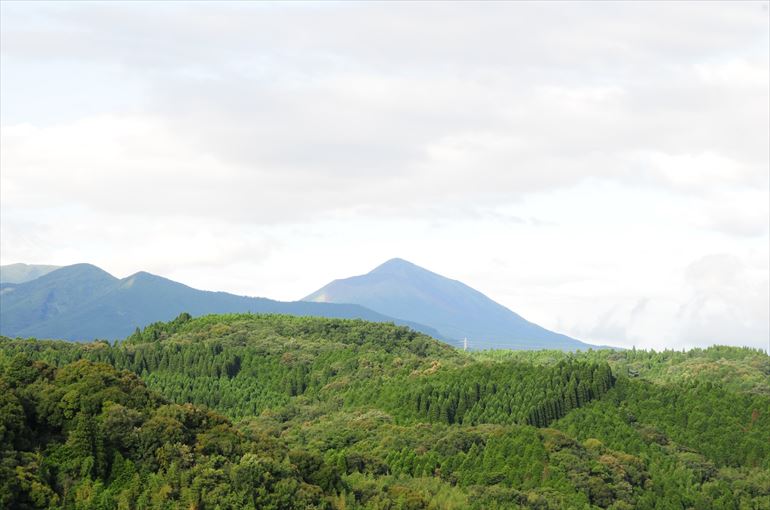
(600,168)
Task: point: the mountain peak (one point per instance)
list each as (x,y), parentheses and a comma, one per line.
(398,288)
(79,271)
(142,275)
(397,266)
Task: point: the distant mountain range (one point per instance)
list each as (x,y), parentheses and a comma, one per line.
(83,302)
(401,289)
(20,273)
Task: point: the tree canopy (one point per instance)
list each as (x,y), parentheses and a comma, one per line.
(270,411)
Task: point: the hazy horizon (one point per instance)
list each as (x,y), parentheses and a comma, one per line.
(602,169)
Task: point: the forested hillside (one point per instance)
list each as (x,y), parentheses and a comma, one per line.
(269,411)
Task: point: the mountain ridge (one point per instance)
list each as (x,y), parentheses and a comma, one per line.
(20,273)
(83,302)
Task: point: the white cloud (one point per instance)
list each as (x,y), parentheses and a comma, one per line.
(729,301)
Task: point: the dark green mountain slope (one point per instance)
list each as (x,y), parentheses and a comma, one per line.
(83,302)
(88,436)
(401,289)
(355,415)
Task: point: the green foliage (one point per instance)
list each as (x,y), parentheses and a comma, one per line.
(89,436)
(504,393)
(268,411)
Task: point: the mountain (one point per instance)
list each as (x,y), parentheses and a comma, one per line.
(20,273)
(83,302)
(401,289)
